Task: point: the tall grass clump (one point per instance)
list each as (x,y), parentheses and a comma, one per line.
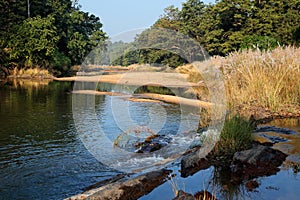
(236,135)
(269,79)
(31,73)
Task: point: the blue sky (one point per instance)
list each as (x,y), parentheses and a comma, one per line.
(124,15)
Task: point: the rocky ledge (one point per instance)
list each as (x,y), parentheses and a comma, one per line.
(126,189)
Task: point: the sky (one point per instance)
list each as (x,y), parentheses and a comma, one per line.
(119,16)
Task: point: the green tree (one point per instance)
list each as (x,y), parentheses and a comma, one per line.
(170,19)
(34,41)
(224,26)
(55,34)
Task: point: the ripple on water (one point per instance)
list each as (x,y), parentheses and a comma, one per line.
(284,135)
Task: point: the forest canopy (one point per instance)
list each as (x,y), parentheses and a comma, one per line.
(51,34)
(56,34)
(226,26)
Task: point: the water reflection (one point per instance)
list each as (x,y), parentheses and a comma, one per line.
(221,182)
(40,154)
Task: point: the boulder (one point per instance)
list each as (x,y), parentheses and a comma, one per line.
(192,163)
(151,143)
(258,161)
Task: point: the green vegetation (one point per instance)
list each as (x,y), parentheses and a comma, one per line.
(236,135)
(221,28)
(54,35)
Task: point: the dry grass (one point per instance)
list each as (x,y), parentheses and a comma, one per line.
(149,68)
(31,73)
(267,79)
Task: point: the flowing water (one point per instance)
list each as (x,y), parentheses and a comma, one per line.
(42,156)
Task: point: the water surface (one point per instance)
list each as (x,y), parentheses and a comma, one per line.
(41,156)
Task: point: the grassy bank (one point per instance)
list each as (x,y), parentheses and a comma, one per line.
(31,73)
(268,80)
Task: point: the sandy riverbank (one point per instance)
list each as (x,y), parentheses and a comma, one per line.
(137,79)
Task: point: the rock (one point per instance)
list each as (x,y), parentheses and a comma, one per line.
(259,155)
(130,189)
(192,163)
(184,196)
(105,182)
(151,137)
(148,147)
(151,143)
(252,184)
(258,161)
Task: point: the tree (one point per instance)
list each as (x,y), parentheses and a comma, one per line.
(55,32)
(34,41)
(226,25)
(191,16)
(170,19)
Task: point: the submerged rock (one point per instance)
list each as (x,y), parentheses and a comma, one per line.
(192,163)
(151,143)
(267,138)
(148,147)
(275,130)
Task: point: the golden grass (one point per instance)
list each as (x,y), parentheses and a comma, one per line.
(267,79)
(31,73)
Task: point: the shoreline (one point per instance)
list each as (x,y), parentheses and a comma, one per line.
(165,79)
(259,114)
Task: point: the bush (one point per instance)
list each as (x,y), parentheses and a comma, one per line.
(60,63)
(263,43)
(236,135)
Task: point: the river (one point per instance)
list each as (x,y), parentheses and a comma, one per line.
(42,156)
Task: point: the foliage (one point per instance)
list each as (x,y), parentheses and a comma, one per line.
(31,73)
(60,63)
(268,79)
(228,25)
(236,135)
(259,42)
(34,41)
(220,28)
(54,36)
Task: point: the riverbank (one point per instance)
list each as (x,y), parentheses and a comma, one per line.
(259,94)
(244,169)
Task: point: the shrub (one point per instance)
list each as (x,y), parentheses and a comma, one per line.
(259,42)
(236,135)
